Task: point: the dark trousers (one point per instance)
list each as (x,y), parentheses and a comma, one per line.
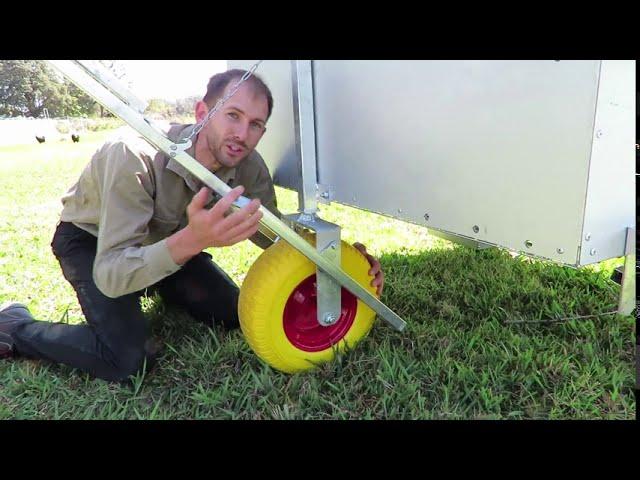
(115,341)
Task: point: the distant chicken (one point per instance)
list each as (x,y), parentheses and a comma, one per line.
(75,138)
(40,139)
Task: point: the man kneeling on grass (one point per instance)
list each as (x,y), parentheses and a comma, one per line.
(136,219)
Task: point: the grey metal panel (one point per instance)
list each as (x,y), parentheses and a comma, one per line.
(277,146)
(502,145)
(610,206)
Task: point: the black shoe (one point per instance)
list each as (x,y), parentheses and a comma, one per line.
(12,315)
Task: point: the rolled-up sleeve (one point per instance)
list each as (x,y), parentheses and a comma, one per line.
(123,264)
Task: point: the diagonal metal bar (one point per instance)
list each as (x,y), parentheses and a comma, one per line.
(97,86)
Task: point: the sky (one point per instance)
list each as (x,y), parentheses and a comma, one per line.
(170,79)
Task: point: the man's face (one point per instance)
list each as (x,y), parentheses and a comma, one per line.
(235,130)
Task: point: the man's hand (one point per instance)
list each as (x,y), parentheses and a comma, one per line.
(210,228)
(375,269)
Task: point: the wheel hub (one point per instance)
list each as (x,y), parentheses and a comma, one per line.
(300,318)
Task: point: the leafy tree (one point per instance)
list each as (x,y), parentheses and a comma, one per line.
(186,106)
(27,87)
(82,105)
(160,108)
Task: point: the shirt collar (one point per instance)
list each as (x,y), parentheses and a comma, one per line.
(178,134)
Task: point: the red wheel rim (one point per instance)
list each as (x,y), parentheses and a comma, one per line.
(300,319)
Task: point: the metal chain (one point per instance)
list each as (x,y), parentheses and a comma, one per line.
(221,102)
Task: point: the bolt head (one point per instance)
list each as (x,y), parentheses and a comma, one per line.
(329,318)
(426,216)
(560,251)
(592,251)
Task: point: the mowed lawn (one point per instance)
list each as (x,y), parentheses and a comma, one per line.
(458,358)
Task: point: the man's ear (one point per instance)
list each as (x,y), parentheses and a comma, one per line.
(201,110)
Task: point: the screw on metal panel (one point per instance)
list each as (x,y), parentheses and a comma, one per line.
(476,228)
(598,133)
(173,147)
(560,251)
(587,237)
(426,216)
(528,244)
(324,194)
(592,251)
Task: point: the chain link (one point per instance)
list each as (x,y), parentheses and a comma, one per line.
(221,102)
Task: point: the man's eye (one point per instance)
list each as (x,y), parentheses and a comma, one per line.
(256,126)
(232,115)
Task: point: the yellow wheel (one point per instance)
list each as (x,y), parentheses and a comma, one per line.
(277,309)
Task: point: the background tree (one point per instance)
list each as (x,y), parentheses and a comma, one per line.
(160,108)
(27,87)
(186,106)
(82,105)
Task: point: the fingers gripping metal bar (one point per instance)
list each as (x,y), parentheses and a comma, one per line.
(98,87)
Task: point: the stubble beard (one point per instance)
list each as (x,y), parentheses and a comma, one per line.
(221,156)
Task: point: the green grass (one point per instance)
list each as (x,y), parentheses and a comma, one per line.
(457,359)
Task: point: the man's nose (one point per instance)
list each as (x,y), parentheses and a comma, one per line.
(241,132)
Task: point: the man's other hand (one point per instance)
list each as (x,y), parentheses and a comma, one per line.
(375,270)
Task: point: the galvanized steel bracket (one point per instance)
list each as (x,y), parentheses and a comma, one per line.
(329,292)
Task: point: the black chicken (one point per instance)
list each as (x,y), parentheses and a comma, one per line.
(75,138)
(40,139)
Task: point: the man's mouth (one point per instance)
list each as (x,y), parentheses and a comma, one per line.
(234,149)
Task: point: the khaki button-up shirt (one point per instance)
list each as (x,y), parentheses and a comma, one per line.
(132,197)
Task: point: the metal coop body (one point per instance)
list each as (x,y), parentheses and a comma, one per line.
(534,156)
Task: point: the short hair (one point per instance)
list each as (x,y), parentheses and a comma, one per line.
(219,82)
